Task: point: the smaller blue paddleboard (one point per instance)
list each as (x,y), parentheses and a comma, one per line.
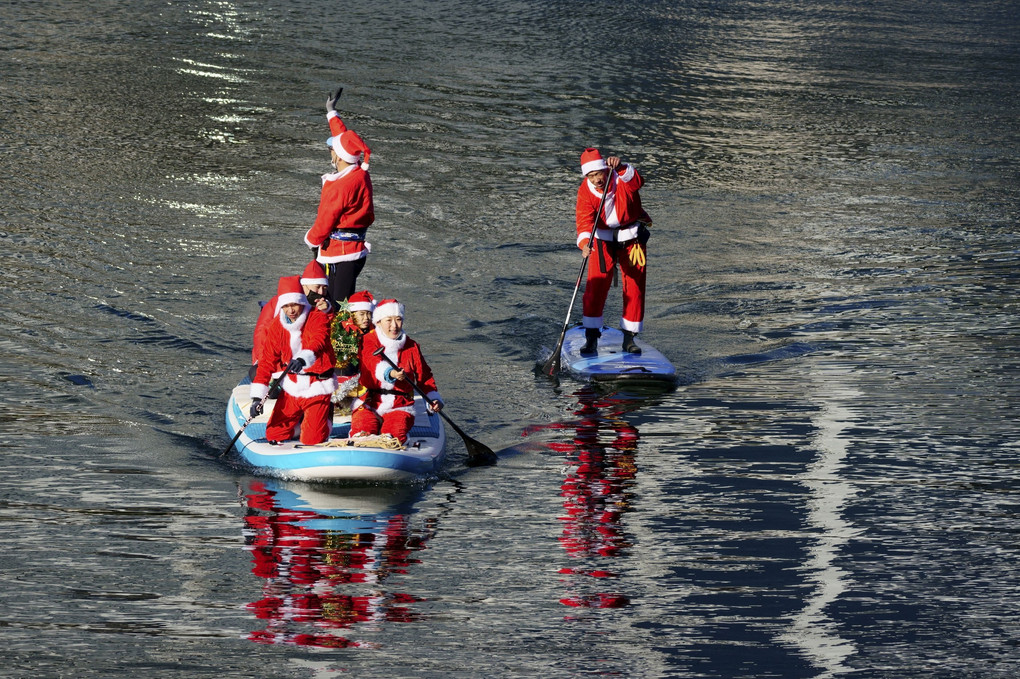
(611,363)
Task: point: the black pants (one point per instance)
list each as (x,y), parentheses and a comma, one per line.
(343,278)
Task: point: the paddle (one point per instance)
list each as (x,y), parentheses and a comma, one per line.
(552,366)
(274,386)
(478,453)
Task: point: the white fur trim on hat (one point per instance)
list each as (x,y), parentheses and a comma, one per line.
(361,301)
(360,306)
(387,308)
(339,149)
(591,161)
(314,281)
(291,298)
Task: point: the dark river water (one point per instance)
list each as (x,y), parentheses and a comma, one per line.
(830,490)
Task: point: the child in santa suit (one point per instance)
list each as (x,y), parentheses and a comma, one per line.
(387,406)
(360,305)
(616,236)
(346,208)
(357,325)
(298,337)
(314,284)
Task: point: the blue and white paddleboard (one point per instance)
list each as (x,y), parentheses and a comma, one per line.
(611,363)
(422,456)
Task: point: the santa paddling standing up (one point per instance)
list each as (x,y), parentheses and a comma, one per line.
(615,235)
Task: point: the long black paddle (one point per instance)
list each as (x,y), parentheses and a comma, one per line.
(552,365)
(478,453)
(273,386)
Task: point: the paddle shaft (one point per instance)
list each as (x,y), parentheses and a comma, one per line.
(552,366)
(272,385)
(476,450)
(381,353)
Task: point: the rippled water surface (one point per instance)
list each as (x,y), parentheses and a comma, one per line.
(830,490)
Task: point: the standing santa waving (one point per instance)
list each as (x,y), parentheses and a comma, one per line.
(346,208)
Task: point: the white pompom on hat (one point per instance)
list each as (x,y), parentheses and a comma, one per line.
(387,308)
(314,274)
(591,161)
(361,301)
(289,291)
(348,145)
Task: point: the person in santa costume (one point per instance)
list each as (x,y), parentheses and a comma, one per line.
(314,284)
(358,324)
(346,208)
(361,305)
(298,338)
(620,234)
(387,406)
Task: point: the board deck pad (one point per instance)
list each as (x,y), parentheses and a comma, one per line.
(611,363)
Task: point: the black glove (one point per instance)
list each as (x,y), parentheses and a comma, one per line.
(256,408)
(331,101)
(296,365)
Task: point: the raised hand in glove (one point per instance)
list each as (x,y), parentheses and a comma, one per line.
(296,365)
(256,408)
(332,99)
(637,256)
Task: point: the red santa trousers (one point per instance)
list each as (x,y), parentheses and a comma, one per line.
(397,423)
(603,260)
(313,413)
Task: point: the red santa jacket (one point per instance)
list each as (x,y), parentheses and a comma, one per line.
(265,319)
(622,208)
(384,395)
(346,210)
(306,338)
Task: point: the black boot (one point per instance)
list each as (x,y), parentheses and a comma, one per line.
(591,341)
(628,343)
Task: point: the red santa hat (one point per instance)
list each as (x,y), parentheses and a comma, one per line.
(361,301)
(348,145)
(387,308)
(289,291)
(591,160)
(314,274)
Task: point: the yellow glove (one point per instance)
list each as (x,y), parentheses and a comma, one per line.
(637,256)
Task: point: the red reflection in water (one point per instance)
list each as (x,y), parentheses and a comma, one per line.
(308,559)
(600,470)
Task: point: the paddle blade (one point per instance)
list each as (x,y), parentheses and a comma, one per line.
(552,365)
(479,455)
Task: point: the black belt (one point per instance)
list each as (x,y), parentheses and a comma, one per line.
(372,390)
(321,376)
(616,245)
